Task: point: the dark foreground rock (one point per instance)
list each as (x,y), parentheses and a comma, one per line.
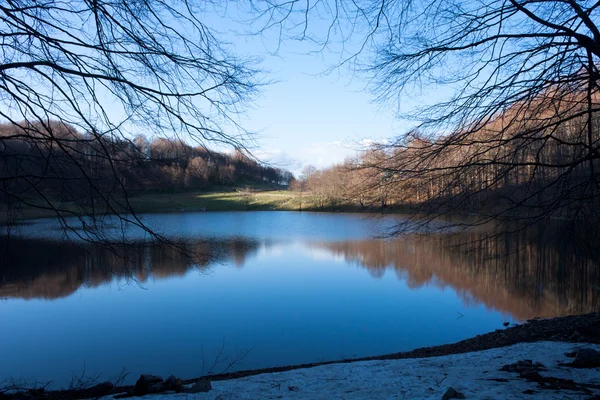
(586,358)
(451,393)
(200,386)
(523,366)
(553,383)
(530,371)
(173,383)
(147,384)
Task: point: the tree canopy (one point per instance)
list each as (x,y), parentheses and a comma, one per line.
(513,89)
(515,118)
(79,78)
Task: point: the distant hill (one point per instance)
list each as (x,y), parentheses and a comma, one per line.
(54,163)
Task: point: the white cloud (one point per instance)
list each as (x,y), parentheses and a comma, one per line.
(278,158)
(319,154)
(365,143)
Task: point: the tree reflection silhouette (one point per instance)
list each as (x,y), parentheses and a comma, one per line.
(524,274)
(58,269)
(520,274)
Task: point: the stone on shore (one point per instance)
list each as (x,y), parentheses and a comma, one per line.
(172,383)
(147,384)
(200,386)
(451,393)
(586,358)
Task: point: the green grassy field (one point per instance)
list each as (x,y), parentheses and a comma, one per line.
(225,199)
(218,201)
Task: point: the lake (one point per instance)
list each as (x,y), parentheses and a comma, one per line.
(245,290)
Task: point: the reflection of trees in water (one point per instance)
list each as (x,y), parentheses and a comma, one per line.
(526,276)
(54,270)
(516,273)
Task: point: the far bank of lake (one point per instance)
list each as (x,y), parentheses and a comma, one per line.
(225,199)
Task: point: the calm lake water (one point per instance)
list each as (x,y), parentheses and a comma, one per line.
(265,289)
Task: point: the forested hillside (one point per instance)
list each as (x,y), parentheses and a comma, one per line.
(53,162)
(533,160)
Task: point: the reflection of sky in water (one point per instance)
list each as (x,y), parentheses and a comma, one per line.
(302,294)
(286,305)
(258,225)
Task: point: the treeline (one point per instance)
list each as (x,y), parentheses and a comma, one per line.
(54,161)
(531,160)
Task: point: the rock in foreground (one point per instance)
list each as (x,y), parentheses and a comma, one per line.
(586,358)
(147,384)
(200,387)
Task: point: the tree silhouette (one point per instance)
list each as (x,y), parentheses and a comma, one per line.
(519,128)
(84,77)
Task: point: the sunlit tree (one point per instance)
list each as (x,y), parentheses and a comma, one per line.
(512,85)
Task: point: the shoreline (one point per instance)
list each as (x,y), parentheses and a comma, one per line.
(571,329)
(583,328)
(538,370)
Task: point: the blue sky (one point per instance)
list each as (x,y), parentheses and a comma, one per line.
(311,118)
(307,116)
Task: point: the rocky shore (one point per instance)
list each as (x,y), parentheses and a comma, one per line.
(566,332)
